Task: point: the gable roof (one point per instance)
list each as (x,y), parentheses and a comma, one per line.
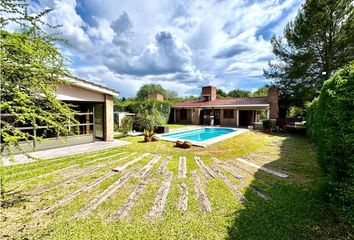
(225,102)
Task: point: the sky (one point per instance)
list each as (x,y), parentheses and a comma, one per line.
(182,45)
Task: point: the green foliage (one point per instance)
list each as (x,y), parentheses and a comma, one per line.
(261,92)
(148,120)
(221,94)
(146,89)
(137,106)
(31,69)
(239,93)
(297,111)
(126,125)
(331,125)
(267,124)
(318,42)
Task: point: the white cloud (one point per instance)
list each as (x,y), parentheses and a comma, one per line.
(180,44)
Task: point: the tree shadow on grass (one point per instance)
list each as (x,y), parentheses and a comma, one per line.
(296,209)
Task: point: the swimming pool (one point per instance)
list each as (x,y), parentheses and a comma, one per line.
(203,136)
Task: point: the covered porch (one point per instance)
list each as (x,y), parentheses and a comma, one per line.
(223,116)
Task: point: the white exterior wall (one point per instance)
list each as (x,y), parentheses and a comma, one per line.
(75,93)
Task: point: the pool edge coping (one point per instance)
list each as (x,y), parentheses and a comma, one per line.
(208,142)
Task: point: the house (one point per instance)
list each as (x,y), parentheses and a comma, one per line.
(233,112)
(91,98)
(94,106)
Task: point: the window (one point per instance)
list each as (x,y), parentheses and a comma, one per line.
(183,114)
(228,113)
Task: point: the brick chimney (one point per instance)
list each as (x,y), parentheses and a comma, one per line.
(155,96)
(208,93)
(272,98)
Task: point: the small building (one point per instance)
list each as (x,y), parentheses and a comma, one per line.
(94,106)
(91,98)
(232,112)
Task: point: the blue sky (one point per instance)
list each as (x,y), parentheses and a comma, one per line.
(181,45)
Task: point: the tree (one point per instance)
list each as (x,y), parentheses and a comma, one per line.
(239,93)
(261,92)
(31,69)
(144,91)
(221,94)
(319,41)
(171,95)
(148,121)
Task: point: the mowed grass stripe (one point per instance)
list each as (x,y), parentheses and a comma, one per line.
(68,168)
(37,164)
(255,189)
(267,170)
(204,202)
(206,171)
(163,167)
(59,164)
(85,172)
(233,188)
(161,196)
(93,204)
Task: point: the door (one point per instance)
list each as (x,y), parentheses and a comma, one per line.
(243,118)
(216,116)
(201,117)
(98,120)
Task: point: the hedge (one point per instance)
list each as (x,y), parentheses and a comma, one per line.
(330,123)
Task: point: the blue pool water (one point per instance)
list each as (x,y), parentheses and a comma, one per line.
(199,134)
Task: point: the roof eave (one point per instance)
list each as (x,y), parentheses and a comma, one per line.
(91,86)
(233,105)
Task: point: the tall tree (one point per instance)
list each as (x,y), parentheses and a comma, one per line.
(319,41)
(239,93)
(144,91)
(31,69)
(261,92)
(221,94)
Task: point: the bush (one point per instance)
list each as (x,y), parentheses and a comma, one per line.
(148,121)
(267,124)
(330,123)
(126,125)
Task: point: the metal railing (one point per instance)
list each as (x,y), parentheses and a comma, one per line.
(89,117)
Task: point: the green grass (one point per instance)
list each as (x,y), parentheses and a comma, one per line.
(295,210)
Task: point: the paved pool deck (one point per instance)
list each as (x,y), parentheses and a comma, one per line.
(64,151)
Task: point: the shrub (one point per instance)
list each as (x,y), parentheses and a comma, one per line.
(126,125)
(148,121)
(267,124)
(330,124)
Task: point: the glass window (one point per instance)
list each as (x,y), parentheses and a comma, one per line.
(183,114)
(228,113)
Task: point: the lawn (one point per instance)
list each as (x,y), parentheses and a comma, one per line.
(294,209)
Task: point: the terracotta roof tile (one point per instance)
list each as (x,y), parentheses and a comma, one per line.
(225,101)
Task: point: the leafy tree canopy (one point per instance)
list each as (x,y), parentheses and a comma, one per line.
(146,89)
(221,94)
(318,42)
(261,92)
(31,69)
(239,93)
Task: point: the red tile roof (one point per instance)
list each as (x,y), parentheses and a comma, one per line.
(225,101)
